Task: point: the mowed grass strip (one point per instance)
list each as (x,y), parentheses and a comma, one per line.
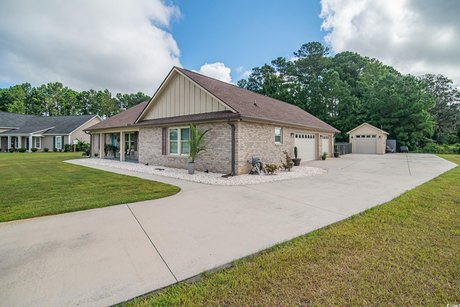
(38,184)
(403,253)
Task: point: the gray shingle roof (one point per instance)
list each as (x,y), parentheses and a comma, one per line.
(25,124)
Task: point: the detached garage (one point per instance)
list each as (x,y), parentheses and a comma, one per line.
(367,139)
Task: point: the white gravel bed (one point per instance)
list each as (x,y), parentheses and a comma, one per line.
(206,178)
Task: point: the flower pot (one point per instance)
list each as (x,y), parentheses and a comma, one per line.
(296,161)
(336,155)
(191,168)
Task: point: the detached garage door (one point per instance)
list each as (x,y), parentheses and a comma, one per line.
(366,144)
(306,144)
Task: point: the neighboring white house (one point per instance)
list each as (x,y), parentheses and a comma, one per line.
(32,131)
(367,139)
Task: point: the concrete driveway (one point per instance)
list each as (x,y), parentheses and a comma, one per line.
(105,256)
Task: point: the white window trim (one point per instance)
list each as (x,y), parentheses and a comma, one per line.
(60,139)
(178,141)
(37,138)
(281,136)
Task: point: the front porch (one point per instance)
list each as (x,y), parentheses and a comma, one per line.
(115,145)
(16,142)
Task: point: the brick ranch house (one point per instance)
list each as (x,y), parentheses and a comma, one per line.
(243,125)
(40,132)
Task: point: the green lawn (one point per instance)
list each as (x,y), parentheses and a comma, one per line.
(37,184)
(403,253)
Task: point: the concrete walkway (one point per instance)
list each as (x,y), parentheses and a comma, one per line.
(104,256)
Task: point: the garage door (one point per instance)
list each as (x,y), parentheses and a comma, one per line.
(325,145)
(306,144)
(366,144)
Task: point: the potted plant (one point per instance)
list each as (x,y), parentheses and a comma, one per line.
(296,160)
(324,156)
(197,146)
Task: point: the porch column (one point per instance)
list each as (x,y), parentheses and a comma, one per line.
(9,142)
(30,143)
(19,141)
(101,145)
(122,146)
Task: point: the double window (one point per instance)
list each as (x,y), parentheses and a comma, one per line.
(179,141)
(130,141)
(278,135)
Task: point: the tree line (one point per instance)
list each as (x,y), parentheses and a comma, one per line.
(53,99)
(347,89)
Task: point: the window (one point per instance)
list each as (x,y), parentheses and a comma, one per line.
(38,142)
(179,141)
(278,134)
(130,141)
(58,142)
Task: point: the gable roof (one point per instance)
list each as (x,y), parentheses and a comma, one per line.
(26,124)
(366,124)
(122,119)
(250,105)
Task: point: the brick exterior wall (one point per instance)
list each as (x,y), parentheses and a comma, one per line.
(252,139)
(217,157)
(258,140)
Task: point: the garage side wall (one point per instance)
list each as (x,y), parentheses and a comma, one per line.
(258,140)
(217,157)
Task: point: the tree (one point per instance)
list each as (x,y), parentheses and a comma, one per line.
(127,101)
(446,108)
(346,90)
(14,98)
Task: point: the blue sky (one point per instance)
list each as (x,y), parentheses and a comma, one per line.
(244,33)
(130,46)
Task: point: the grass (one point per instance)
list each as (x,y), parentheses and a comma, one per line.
(403,253)
(37,184)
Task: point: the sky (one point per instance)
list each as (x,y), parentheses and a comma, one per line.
(130,45)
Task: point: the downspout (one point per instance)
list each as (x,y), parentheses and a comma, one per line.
(232,125)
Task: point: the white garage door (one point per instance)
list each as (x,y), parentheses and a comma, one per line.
(325,145)
(366,144)
(305,144)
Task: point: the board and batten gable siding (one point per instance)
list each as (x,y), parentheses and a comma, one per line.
(183,97)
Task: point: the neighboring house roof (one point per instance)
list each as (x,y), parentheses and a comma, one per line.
(252,105)
(122,119)
(26,124)
(366,124)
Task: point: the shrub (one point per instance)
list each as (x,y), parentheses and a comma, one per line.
(46,149)
(271,168)
(324,156)
(67,147)
(439,149)
(55,149)
(287,164)
(82,146)
(11,150)
(22,149)
(34,149)
(295,152)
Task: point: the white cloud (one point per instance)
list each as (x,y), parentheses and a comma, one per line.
(119,45)
(415,36)
(217,71)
